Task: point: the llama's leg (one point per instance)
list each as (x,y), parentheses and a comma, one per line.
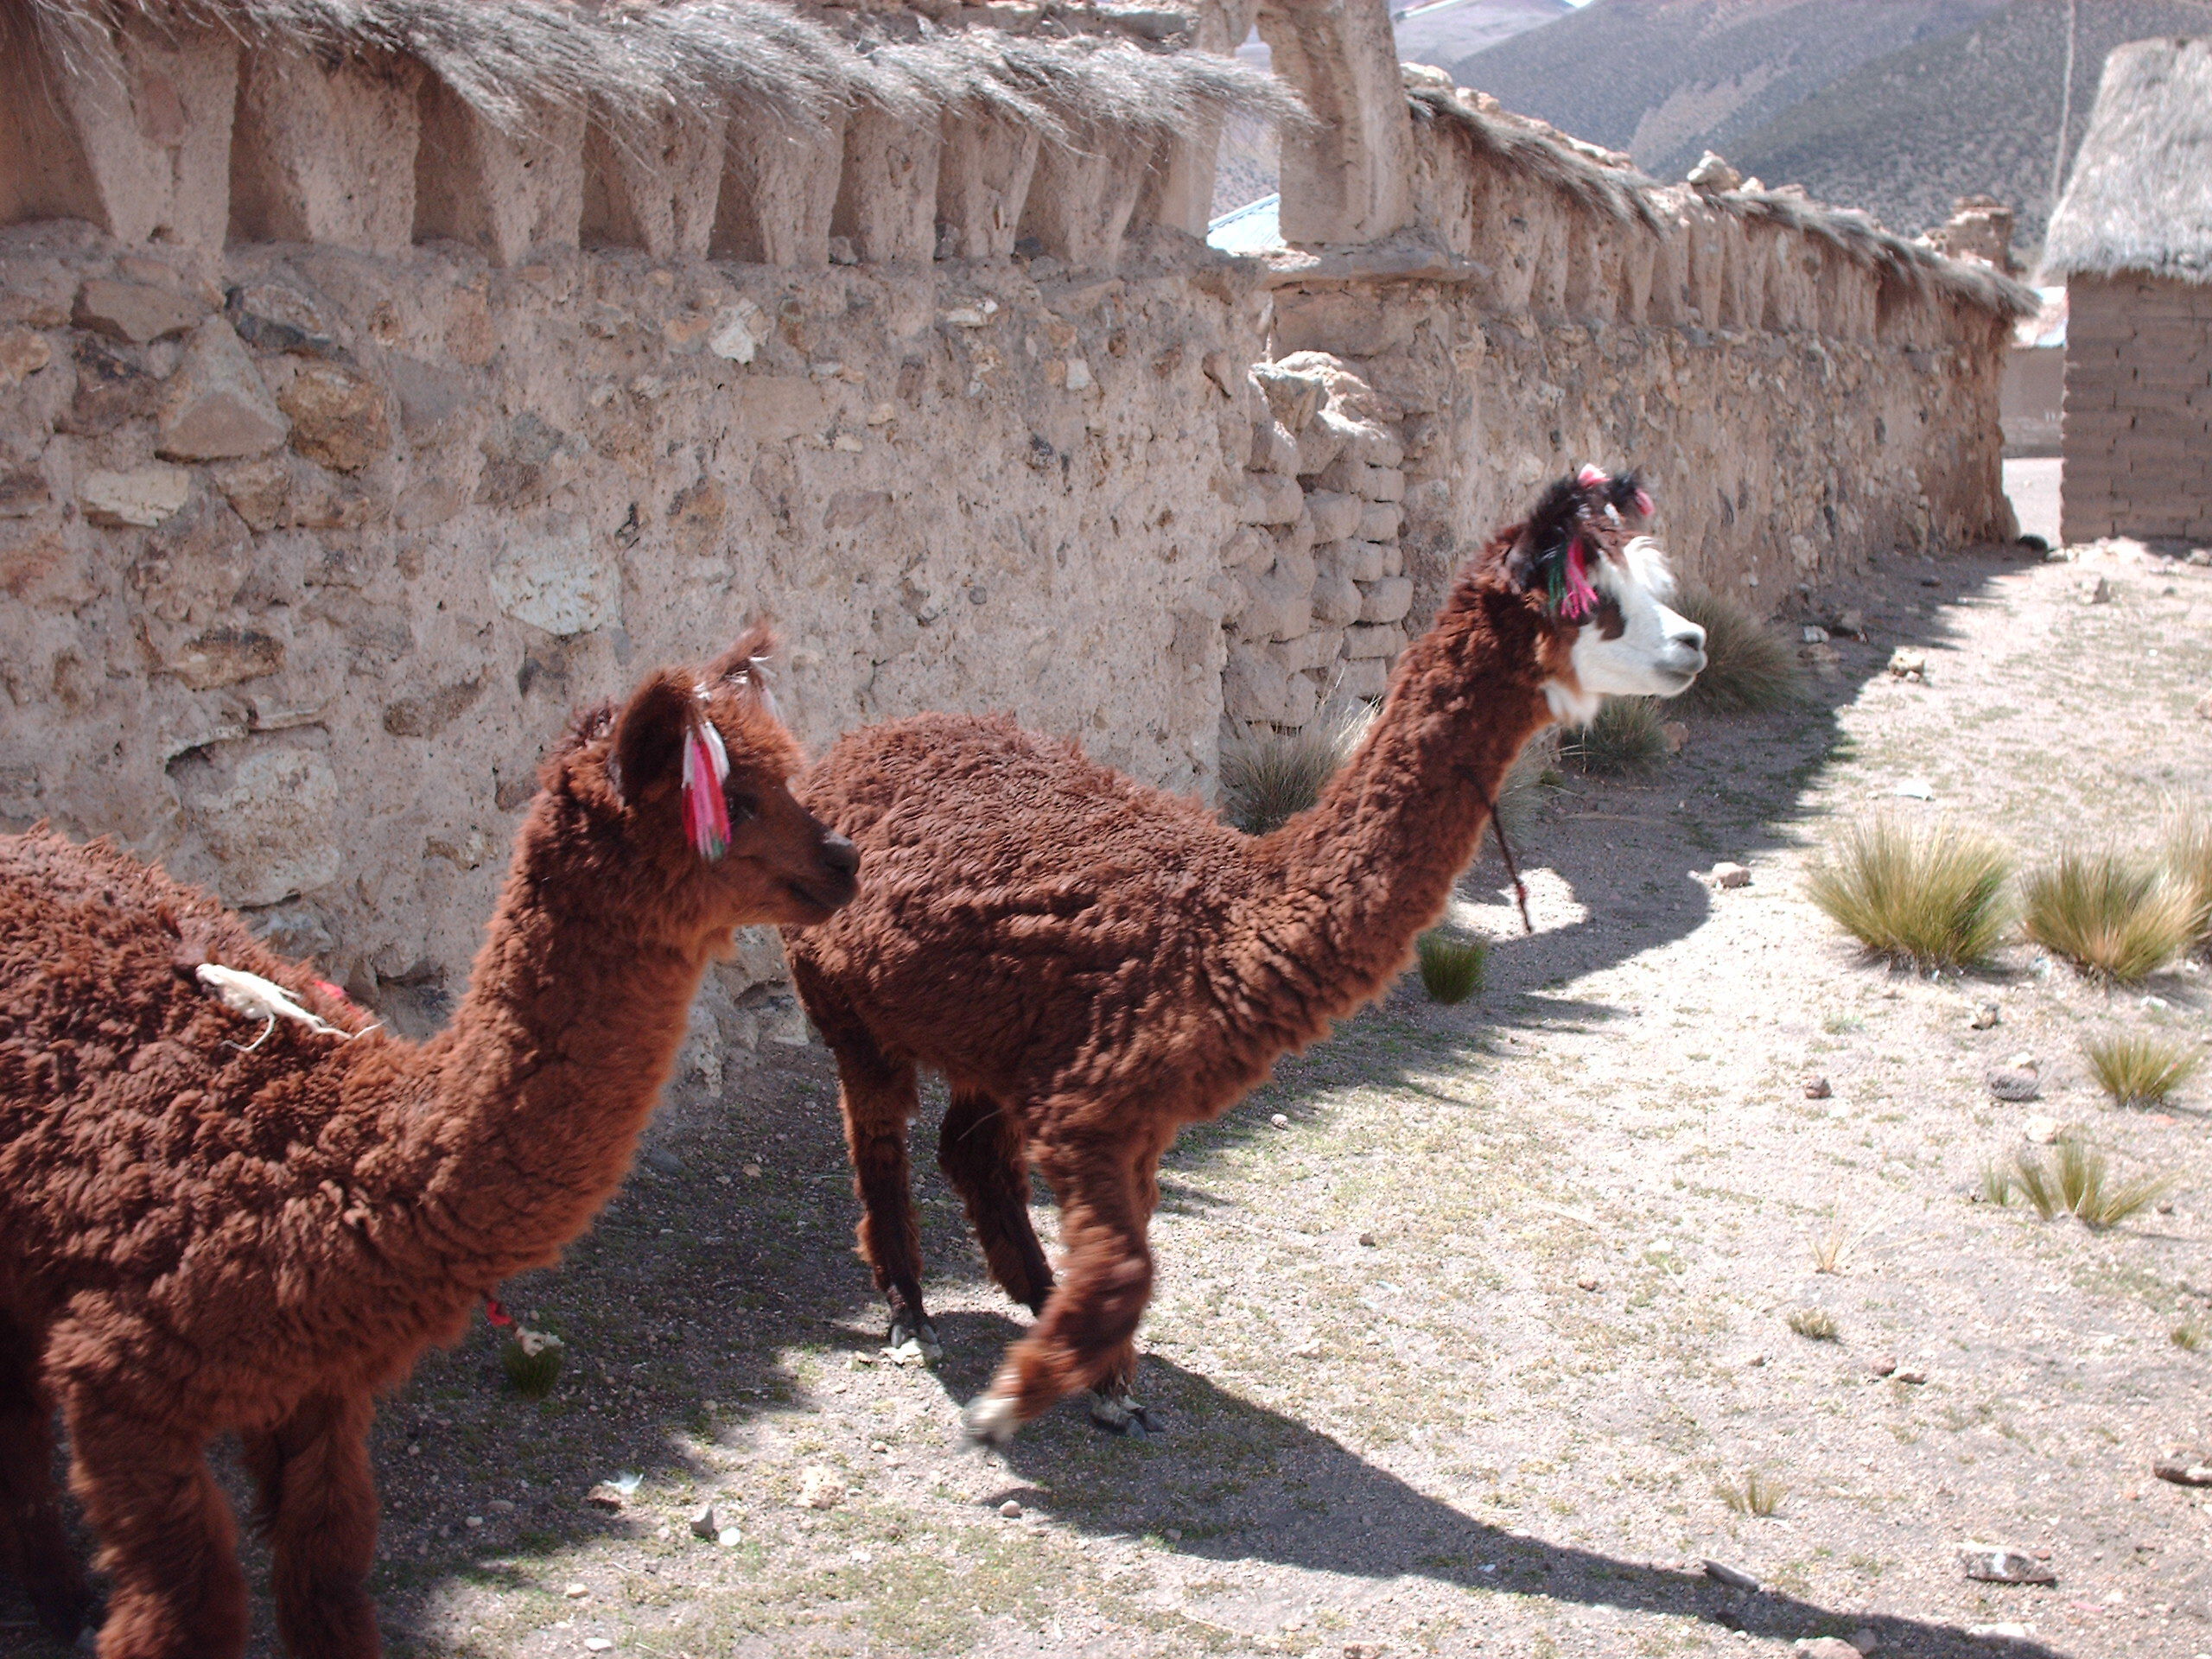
(168,1541)
(980,1150)
(33,1544)
(878,1098)
(318,1506)
(1113,1404)
(1084,1337)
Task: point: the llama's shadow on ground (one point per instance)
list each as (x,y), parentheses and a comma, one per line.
(1237,1482)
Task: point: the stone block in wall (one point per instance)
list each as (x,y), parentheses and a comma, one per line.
(652,184)
(325,152)
(265,813)
(134,136)
(338,416)
(216,407)
(1274,450)
(887,189)
(1277,606)
(1270,498)
(1366,677)
(136,312)
(1179,192)
(504,193)
(1387,600)
(1380,521)
(1374,639)
(1248,546)
(1352,476)
(1346,175)
(1314,650)
(780,188)
(1336,600)
(141,497)
(1082,199)
(1336,515)
(1295,396)
(984,169)
(1319,446)
(1358,561)
(1255,689)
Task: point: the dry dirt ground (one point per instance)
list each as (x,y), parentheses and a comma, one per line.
(1466,1319)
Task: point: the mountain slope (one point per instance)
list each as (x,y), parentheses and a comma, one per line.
(1445,31)
(1664,80)
(1903,135)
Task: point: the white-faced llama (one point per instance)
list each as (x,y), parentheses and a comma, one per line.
(1092,964)
(212,1223)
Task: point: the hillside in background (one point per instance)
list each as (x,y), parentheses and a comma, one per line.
(1665,80)
(1443,31)
(1903,135)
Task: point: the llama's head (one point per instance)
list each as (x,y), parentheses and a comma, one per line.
(696,769)
(1601,590)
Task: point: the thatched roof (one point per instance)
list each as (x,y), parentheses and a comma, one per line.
(506,56)
(1607,184)
(2140,199)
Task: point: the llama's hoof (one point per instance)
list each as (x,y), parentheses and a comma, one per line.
(906,1344)
(989,1420)
(1118,1413)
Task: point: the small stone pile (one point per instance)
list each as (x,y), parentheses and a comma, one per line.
(1320,611)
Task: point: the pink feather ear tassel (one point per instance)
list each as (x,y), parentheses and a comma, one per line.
(1590,477)
(706,767)
(1581,597)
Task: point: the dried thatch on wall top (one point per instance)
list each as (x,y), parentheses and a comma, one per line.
(504,57)
(1605,183)
(2140,197)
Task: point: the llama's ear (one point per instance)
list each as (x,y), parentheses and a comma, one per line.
(648,747)
(1541,561)
(741,661)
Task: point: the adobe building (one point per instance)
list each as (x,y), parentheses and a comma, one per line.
(2132,241)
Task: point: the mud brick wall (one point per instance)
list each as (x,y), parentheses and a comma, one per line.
(2137,420)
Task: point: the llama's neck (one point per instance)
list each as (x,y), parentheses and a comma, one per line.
(1373,863)
(538,1089)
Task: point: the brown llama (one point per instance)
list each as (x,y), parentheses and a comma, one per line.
(212,1221)
(1092,964)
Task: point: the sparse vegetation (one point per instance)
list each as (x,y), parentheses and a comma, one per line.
(1534,769)
(2077,1180)
(1996,1184)
(2189,866)
(1749,667)
(532,1361)
(1625,739)
(1451,967)
(2109,916)
(1828,1251)
(1931,896)
(1756,1493)
(2189,1335)
(2141,1068)
(1268,781)
(1815,1323)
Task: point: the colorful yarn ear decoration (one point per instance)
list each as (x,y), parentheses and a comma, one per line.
(706,765)
(1590,477)
(1580,598)
(1644,506)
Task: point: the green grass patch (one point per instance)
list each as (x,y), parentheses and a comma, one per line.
(1625,739)
(1930,895)
(1750,667)
(2112,918)
(1451,967)
(2141,1068)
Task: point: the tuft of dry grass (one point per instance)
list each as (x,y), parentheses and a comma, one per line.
(1996,1184)
(1268,781)
(2141,1068)
(1748,667)
(532,1360)
(1756,1493)
(2189,1335)
(1451,967)
(2111,918)
(1929,895)
(1815,1323)
(1828,1251)
(2076,1179)
(2188,857)
(1625,738)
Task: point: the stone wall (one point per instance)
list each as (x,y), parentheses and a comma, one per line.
(304,567)
(352,433)
(2137,420)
